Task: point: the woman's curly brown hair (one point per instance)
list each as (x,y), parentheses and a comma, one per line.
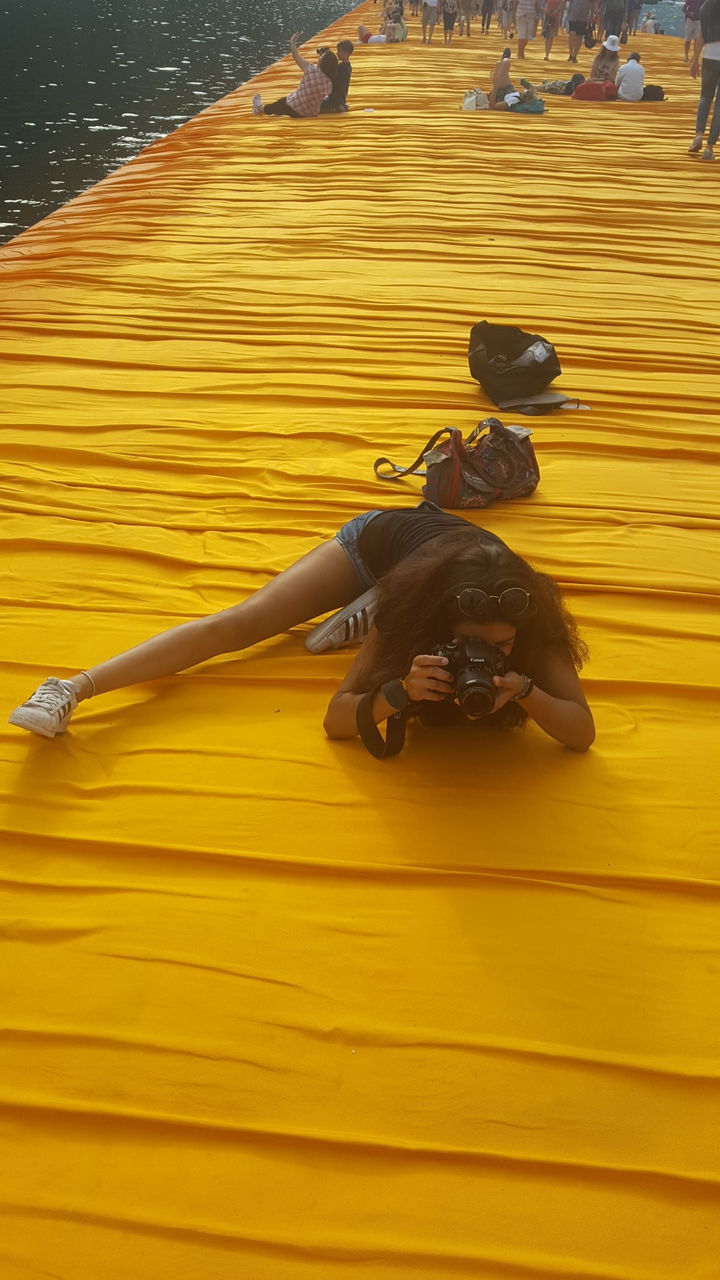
(418,608)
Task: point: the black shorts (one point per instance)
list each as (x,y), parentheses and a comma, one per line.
(577,28)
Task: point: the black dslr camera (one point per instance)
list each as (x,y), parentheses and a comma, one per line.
(324,48)
(472,664)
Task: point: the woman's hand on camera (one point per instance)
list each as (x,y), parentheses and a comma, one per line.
(428,679)
(507,686)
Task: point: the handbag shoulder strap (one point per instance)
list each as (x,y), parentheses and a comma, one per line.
(406,471)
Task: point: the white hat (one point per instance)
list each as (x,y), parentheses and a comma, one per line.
(612,43)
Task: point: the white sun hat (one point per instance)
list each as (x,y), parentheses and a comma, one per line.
(612,44)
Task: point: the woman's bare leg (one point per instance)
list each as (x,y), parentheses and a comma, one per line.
(322,580)
(500,82)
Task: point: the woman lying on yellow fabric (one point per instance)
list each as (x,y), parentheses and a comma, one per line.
(440,579)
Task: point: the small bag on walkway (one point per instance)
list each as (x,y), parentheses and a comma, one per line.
(510,363)
(495,467)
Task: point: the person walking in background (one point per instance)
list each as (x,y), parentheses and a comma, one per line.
(691,11)
(504,13)
(707,53)
(429,19)
(449,16)
(613,18)
(526,16)
(578,16)
(315,86)
(466,15)
(488,8)
(337,101)
(634,9)
(552,15)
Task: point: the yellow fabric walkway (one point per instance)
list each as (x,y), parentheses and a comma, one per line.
(272,1009)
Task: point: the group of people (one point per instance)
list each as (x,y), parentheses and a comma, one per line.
(323,88)
(608,79)
(324,85)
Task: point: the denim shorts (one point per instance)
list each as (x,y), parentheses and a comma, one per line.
(348,537)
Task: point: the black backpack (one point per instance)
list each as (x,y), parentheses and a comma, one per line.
(509,363)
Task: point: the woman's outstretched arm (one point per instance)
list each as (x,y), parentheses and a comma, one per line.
(302,62)
(559,708)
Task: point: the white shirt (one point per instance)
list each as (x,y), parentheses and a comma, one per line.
(712,50)
(631,81)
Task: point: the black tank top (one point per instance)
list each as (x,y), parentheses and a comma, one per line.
(392,536)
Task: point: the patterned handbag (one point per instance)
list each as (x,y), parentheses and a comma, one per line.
(495,467)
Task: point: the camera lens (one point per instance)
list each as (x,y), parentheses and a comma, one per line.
(475,691)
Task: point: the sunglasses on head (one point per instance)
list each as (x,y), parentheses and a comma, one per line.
(511,604)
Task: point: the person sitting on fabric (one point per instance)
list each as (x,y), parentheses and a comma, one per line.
(564,88)
(440,579)
(631,85)
(337,100)
(631,79)
(606,63)
(315,86)
(392,33)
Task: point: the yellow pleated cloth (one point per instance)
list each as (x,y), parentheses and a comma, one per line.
(271,1009)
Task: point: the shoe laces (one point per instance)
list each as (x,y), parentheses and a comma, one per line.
(52,698)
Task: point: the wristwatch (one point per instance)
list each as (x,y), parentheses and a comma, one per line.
(396,694)
(528,686)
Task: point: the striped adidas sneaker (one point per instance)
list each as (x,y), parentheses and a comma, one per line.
(349,626)
(48,710)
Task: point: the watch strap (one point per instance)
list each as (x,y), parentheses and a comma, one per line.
(526,690)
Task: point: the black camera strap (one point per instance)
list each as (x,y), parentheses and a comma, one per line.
(379,747)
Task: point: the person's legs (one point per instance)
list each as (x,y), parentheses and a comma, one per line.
(714,133)
(574,42)
(322,580)
(710,79)
(279,108)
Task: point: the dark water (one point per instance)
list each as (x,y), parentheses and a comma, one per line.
(86,84)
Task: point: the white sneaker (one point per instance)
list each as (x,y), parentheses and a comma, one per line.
(48,710)
(257,105)
(708,154)
(349,626)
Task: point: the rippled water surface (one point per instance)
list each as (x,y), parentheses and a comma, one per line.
(86,84)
